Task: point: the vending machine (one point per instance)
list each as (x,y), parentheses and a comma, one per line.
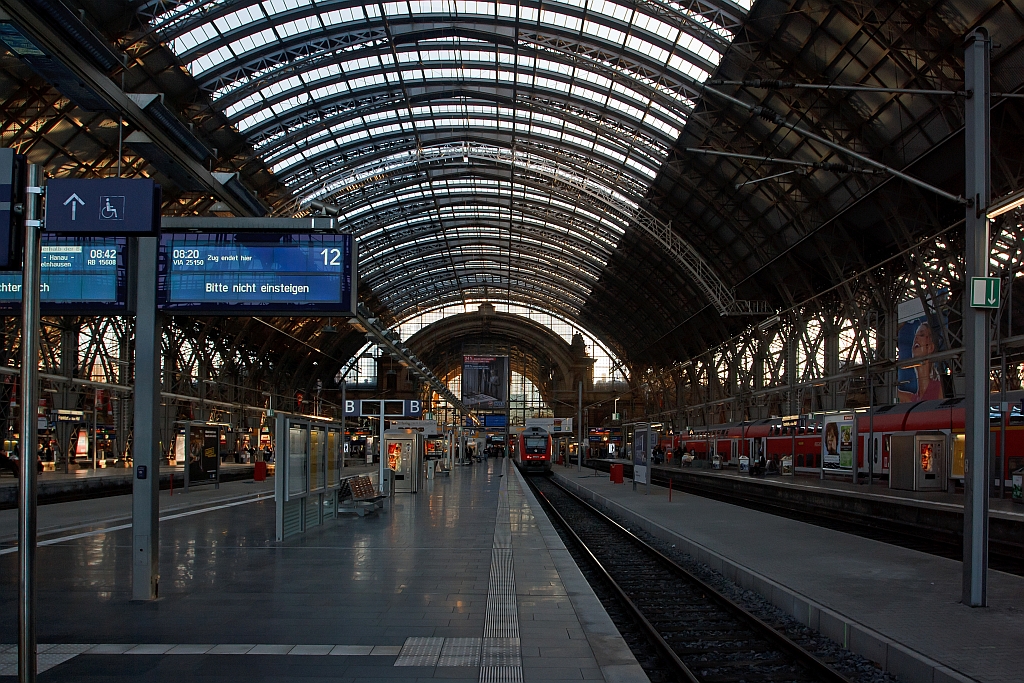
(403,449)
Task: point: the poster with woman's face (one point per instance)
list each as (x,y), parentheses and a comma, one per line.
(832,439)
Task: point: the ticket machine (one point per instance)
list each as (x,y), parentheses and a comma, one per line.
(404,450)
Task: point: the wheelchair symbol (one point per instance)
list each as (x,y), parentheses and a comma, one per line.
(111,208)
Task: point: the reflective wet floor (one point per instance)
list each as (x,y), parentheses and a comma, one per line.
(400,595)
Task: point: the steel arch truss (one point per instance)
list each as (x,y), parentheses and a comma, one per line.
(354,104)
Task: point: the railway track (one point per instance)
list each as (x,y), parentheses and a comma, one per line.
(699,635)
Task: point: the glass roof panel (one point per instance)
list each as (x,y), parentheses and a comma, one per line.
(521,151)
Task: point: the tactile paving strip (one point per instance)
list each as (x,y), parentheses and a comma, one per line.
(460,652)
(420,652)
(500,654)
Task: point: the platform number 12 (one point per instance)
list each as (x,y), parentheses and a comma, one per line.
(332,257)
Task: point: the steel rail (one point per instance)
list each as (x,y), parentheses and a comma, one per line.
(652,633)
(799,654)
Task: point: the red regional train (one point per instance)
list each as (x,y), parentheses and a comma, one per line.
(802,440)
(533,450)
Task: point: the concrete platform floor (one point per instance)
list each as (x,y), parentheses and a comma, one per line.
(410,593)
(897,607)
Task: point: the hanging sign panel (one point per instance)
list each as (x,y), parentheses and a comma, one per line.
(257,273)
(77,275)
(105,206)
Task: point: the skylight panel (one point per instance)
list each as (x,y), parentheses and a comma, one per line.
(277,6)
(210,60)
(641,46)
(604,32)
(197,36)
(656,26)
(242,17)
(396,9)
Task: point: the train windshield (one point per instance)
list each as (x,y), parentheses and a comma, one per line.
(536,444)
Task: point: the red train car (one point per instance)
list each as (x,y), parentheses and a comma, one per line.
(533,451)
(802,441)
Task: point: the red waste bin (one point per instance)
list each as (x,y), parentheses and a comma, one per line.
(616,473)
(260,473)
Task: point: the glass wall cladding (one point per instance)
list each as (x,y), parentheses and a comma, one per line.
(334,444)
(298,459)
(607,367)
(317,459)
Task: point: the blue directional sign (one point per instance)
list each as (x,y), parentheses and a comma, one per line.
(77,275)
(257,273)
(108,206)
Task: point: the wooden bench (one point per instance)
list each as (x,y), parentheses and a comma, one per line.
(358,495)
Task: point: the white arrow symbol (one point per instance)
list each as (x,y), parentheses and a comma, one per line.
(992,294)
(74,200)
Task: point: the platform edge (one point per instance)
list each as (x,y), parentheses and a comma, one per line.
(907,664)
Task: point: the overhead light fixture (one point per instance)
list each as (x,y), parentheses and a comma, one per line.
(49,67)
(234,185)
(161,161)
(357,324)
(1006,204)
(80,36)
(153,105)
(770,322)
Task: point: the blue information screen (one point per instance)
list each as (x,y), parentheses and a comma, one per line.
(256,273)
(77,275)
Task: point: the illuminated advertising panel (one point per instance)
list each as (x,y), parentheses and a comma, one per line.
(485,381)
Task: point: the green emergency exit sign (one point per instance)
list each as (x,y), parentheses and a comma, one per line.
(984,292)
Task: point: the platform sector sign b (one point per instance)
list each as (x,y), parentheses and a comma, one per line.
(107,206)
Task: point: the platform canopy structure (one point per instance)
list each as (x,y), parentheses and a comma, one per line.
(671,177)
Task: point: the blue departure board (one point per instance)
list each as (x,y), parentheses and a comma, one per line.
(78,275)
(257,273)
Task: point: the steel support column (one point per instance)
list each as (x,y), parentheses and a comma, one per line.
(27,521)
(145,451)
(976,322)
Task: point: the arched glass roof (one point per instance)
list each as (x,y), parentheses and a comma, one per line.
(478,150)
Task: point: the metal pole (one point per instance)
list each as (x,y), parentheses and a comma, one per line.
(344,419)
(27,523)
(579,430)
(145,450)
(976,322)
(95,440)
(380,452)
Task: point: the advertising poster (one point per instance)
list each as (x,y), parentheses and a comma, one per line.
(846,446)
(203,454)
(917,338)
(838,443)
(640,455)
(485,381)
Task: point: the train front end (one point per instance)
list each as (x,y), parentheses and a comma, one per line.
(534,452)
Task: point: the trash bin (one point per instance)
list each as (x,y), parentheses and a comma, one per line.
(260,473)
(616,473)
(716,462)
(431,464)
(1018,485)
(744,463)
